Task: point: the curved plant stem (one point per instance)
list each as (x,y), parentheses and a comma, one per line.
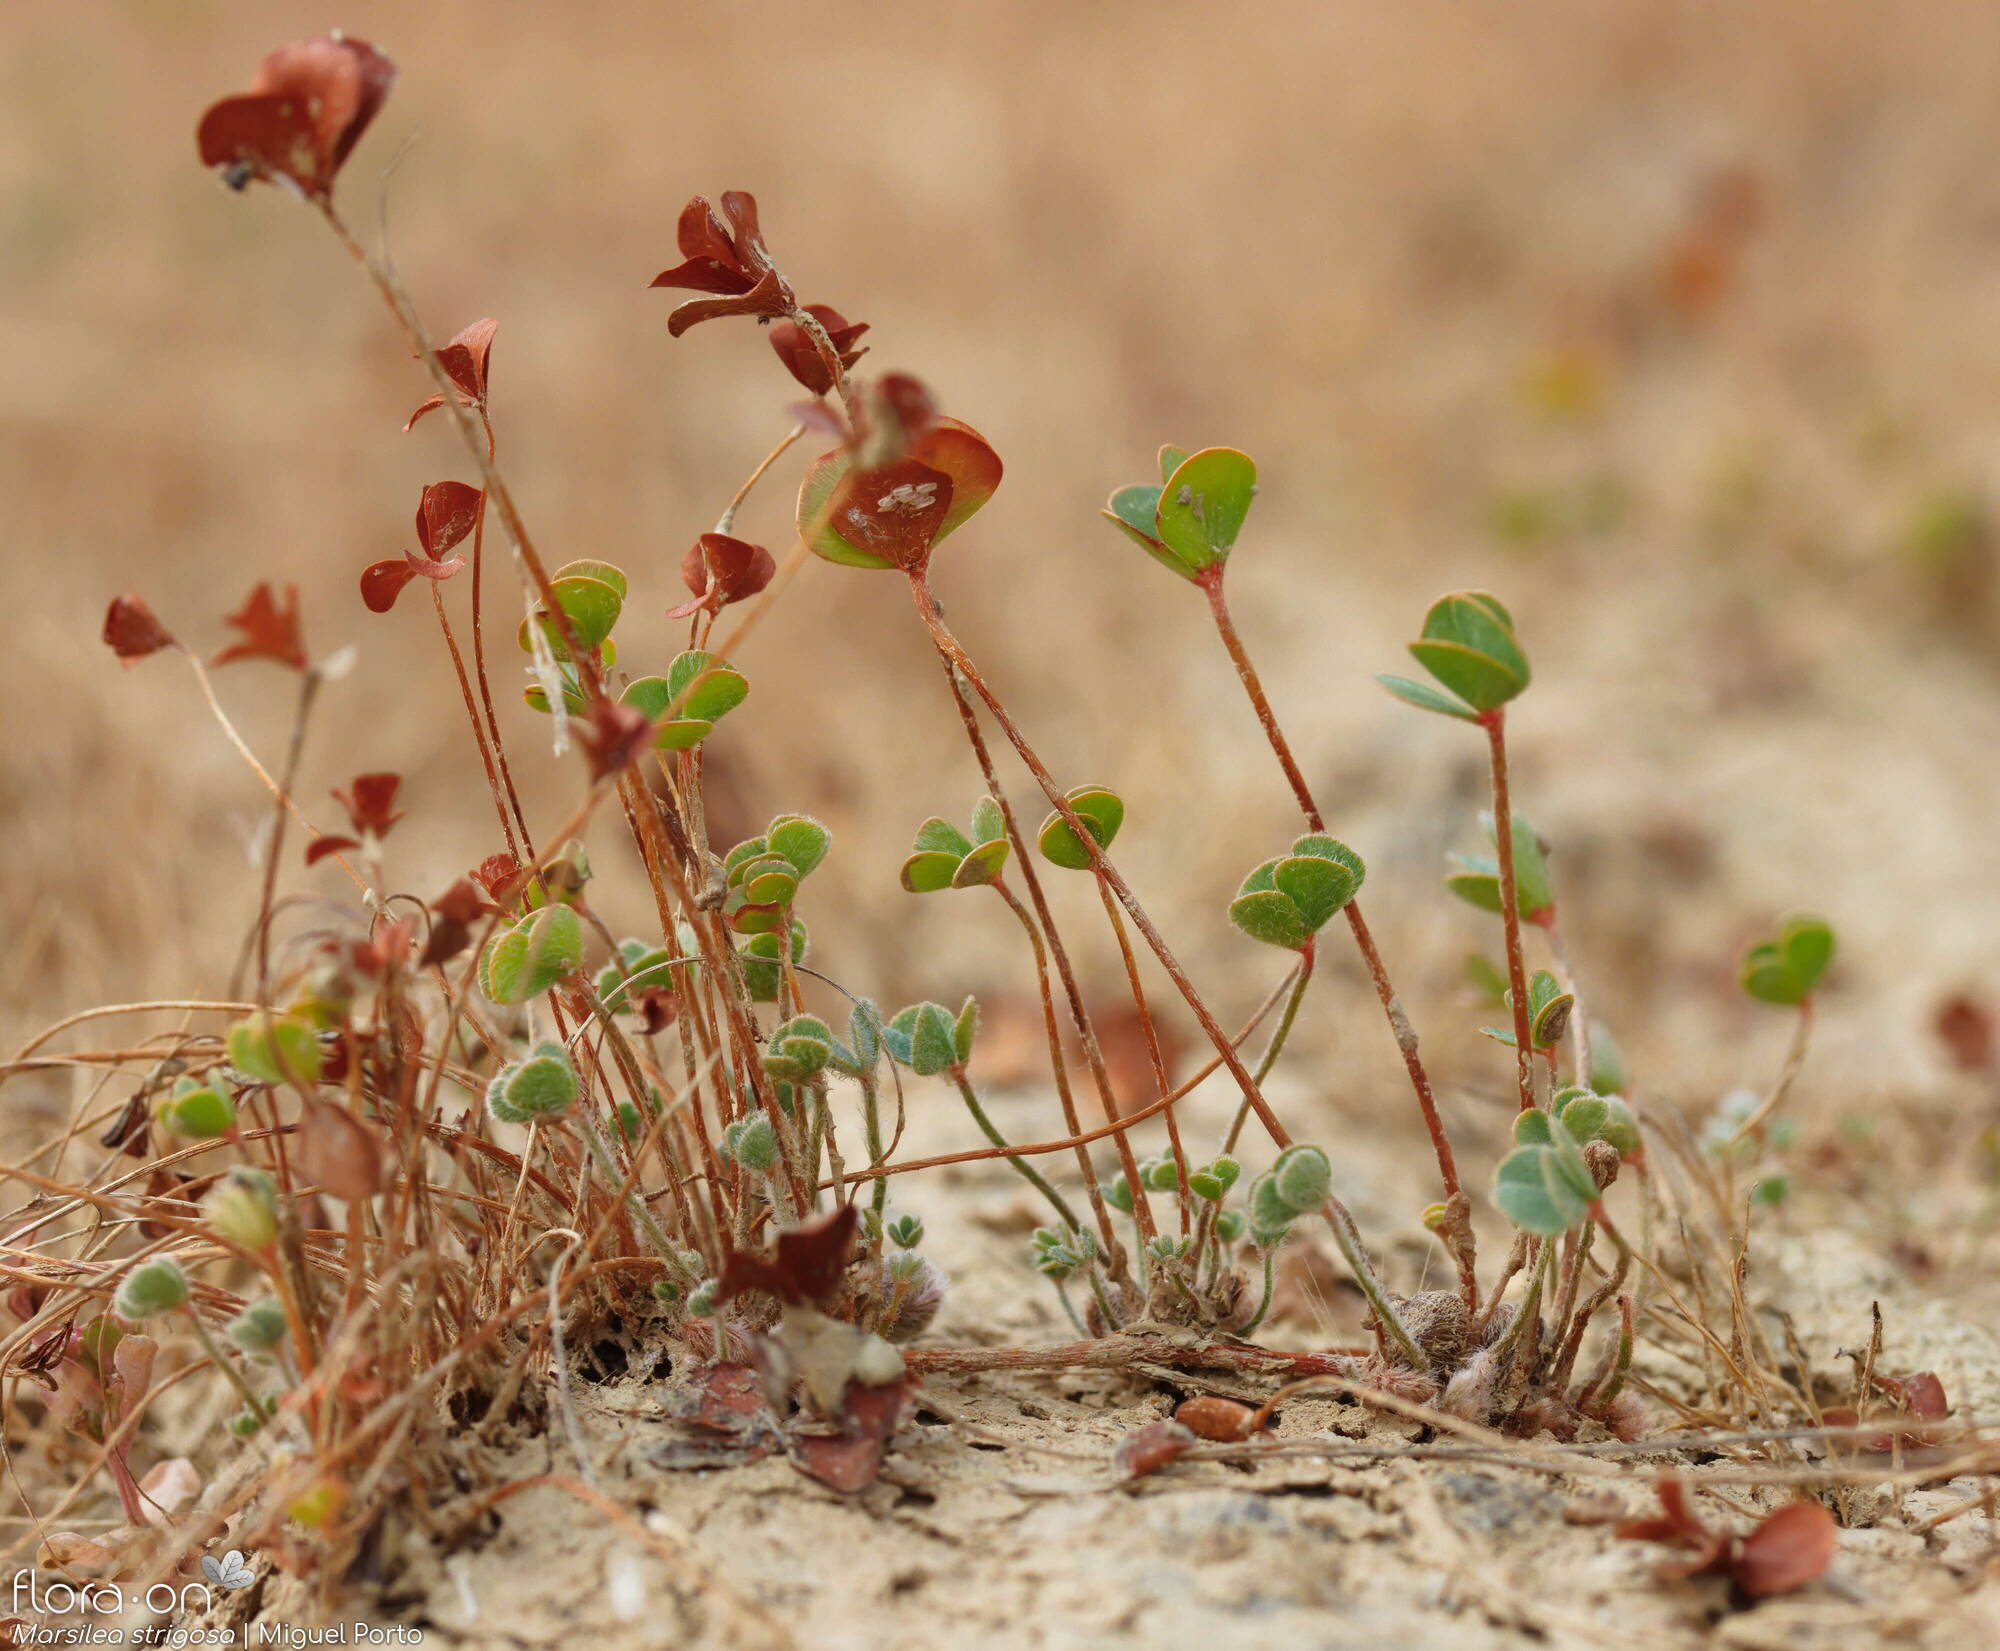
(1264,1301)
(243,750)
(1495,724)
(955,656)
(1392,1007)
(1020,1166)
(1308,956)
(1392,1328)
(479,651)
(1795,1057)
(1153,1052)
(1059,955)
(479,731)
(1058,1066)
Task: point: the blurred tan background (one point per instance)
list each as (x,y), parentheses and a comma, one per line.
(1678,326)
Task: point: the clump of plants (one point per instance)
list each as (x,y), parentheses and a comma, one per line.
(436,1143)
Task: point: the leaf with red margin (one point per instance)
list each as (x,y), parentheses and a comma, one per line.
(270,630)
(948,448)
(1787,1550)
(893,515)
(132,630)
(807,1268)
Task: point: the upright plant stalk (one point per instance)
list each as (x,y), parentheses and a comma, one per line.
(1020,1166)
(954,655)
(1060,1068)
(1058,953)
(1457,1232)
(1494,722)
(1153,1051)
(1301,977)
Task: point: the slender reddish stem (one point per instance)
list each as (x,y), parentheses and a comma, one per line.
(1059,1066)
(478,729)
(955,655)
(1153,1051)
(1494,722)
(1211,584)
(1392,1007)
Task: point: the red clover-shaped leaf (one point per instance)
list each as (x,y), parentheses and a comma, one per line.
(132,630)
(464,362)
(301,119)
(270,630)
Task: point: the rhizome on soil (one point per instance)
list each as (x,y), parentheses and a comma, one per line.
(460,1200)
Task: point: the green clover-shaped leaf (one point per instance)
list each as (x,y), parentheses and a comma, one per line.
(1468,645)
(591,605)
(1785,970)
(923,1037)
(1286,901)
(1102,812)
(533,955)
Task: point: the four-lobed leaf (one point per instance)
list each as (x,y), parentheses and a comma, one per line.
(533,955)
(696,693)
(1191,520)
(1468,645)
(1784,970)
(943,857)
(1102,812)
(1286,901)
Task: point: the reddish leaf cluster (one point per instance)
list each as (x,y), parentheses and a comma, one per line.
(132,630)
(270,629)
(371,810)
(1787,1550)
(807,1267)
(1148,1449)
(446,515)
(302,117)
(723,253)
(720,570)
(501,876)
(1920,1396)
(464,363)
(904,477)
(371,803)
(796,348)
(453,914)
(851,1459)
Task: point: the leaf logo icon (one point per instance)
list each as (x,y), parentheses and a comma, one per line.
(232,1571)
